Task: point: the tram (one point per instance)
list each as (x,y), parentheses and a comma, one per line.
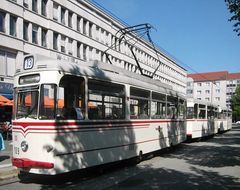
(201,119)
(224,120)
(70,116)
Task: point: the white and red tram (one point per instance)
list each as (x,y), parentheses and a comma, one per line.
(224,119)
(71,116)
(201,119)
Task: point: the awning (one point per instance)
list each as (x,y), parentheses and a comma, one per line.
(6,90)
(5,102)
(8,96)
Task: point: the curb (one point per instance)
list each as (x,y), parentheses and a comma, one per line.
(9,172)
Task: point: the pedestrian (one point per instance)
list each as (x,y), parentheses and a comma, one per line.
(2,145)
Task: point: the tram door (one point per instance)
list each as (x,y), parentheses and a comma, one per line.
(71,104)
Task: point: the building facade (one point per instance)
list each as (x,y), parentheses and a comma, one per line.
(75,30)
(214,87)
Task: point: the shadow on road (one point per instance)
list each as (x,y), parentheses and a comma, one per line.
(154,179)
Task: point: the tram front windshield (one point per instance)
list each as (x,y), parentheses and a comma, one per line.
(36,102)
(48,102)
(27,102)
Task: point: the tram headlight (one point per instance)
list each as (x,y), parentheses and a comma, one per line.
(24,146)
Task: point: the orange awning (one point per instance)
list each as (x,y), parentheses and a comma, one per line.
(5,102)
(48,103)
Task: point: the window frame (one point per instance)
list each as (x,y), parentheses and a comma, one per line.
(110,108)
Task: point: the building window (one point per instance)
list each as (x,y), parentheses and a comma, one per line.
(63,11)
(35,5)
(189,84)
(2,21)
(84,27)
(7,63)
(189,91)
(199,92)
(44,37)
(199,84)
(55,11)
(78,49)
(13,21)
(90,53)
(90,30)
(44,7)
(217,90)
(70,42)
(55,41)
(207,83)
(34,34)
(84,52)
(217,98)
(70,15)
(97,33)
(207,99)
(63,39)
(207,91)
(217,83)
(25,30)
(78,23)
(25,3)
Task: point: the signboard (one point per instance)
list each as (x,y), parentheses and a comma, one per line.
(28,63)
(6,88)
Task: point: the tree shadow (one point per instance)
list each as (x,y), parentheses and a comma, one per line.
(163,178)
(215,152)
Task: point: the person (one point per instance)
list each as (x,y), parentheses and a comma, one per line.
(2,145)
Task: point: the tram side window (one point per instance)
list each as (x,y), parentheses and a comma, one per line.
(202,111)
(158,106)
(215,110)
(224,114)
(190,112)
(139,103)
(196,107)
(105,100)
(70,101)
(47,101)
(172,106)
(182,109)
(210,112)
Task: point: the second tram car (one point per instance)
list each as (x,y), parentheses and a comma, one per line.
(201,119)
(71,116)
(224,120)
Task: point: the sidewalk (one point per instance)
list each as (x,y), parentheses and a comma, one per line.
(6,168)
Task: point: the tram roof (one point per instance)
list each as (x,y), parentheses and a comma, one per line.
(98,70)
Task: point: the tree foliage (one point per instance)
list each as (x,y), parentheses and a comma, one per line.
(234,8)
(236,104)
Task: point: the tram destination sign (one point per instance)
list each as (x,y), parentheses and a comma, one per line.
(28,63)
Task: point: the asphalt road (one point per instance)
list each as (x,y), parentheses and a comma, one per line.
(209,164)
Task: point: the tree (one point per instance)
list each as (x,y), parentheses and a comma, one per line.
(236,104)
(234,8)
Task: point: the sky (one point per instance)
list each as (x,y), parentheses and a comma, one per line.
(196,33)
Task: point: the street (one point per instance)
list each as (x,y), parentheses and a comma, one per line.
(213,163)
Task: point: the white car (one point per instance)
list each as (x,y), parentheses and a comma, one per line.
(238,122)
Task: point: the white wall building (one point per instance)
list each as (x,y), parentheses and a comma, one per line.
(74,30)
(214,87)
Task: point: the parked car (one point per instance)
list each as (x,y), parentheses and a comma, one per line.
(238,122)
